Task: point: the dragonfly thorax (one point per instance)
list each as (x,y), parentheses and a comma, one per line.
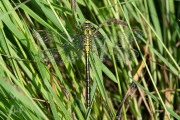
(87,32)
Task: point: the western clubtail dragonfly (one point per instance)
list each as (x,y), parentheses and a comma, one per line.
(61,47)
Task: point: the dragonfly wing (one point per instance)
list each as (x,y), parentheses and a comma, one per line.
(73,46)
(119,55)
(59,56)
(57,47)
(125,55)
(121,37)
(120,46)
(61,39)
(98,45)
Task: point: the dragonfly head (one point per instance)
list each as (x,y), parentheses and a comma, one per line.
(87,28)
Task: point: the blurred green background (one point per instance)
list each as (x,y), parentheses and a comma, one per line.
(32,91)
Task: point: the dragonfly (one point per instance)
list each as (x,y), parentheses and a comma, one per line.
(63,48)
(82,45)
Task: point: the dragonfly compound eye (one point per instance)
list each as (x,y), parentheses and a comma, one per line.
(86,25)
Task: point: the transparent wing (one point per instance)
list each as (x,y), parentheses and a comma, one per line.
(60,47)
(120,46)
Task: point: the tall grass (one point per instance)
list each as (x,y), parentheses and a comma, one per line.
(31,90)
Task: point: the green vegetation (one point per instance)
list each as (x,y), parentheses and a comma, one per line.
(29,90)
